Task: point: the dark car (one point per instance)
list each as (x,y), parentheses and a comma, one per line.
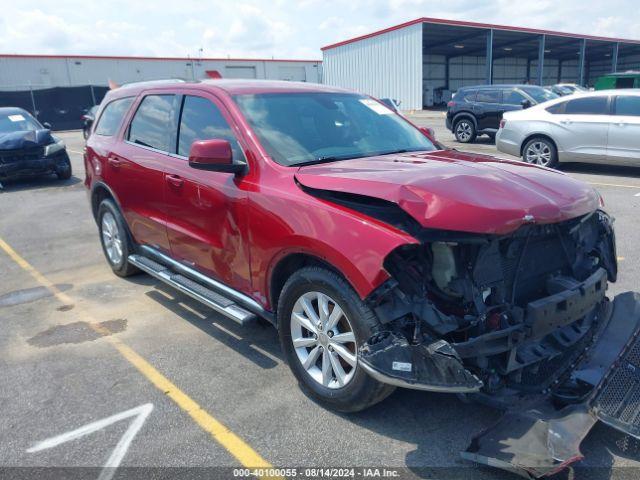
(28,148)
(478,110)
(382,259)
(87,120)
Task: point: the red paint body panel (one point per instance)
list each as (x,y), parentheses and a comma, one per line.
(450,190)
(238,228)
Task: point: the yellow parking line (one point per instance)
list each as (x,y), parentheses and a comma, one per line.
(614,185)
(237,447)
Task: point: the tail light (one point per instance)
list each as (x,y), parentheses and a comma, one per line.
(502,123)
(451,103)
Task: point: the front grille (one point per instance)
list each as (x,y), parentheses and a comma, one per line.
(618,401)
(14,156)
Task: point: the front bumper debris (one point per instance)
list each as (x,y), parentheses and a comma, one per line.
(436,367)
(539,439)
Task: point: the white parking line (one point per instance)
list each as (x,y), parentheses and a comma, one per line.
(75,151)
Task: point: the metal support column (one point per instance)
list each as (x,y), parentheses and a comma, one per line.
(446,72)
(614,57)
(541,59)
(528,74)
(582,62)
(559,71)
(489,58)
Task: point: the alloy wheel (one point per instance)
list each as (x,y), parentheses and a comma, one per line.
(323,340)
(538,153)
(463,131)
(111,238)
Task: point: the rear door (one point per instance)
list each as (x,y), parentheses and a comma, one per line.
(139,163)
(624,131)
(581,128)
(206,211)
(488,108)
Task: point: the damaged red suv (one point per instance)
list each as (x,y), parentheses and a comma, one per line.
(382,259)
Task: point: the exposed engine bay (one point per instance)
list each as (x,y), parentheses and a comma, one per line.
(504,314)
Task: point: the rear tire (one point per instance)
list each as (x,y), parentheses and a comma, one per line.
(540,151)
(465,130)
(115,239)
(344,388)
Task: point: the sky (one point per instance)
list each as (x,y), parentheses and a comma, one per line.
(279,28)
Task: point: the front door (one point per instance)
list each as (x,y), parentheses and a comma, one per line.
(206,211)
(624,131)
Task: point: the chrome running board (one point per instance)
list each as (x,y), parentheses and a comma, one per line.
(190,286)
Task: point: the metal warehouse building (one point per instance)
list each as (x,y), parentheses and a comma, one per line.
(59,89)
(18,72)
(423,61)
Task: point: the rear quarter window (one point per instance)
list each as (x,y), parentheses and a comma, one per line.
(489,96)
(112,115)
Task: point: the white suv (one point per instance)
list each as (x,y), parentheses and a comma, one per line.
(601,126)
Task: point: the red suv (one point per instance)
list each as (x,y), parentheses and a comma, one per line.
(382,259)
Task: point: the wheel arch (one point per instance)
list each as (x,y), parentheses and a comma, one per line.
(99,192)
(460,115)
(531,136)
(288,264)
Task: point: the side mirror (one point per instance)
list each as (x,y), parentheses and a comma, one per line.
(525,104)
(47,125)
(213,155)
(429,133)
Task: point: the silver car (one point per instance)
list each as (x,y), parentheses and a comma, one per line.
(601,127)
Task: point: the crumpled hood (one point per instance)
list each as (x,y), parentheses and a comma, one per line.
(25,139)
(451,190)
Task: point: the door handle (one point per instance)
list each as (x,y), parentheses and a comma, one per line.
(114,161)
(174,180)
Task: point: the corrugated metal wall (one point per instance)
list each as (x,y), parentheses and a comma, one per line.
(18,73)
(387,65)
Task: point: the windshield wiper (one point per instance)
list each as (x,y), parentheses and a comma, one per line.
(327,159)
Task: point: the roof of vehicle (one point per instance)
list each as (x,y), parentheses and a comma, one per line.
(622,74)
(501,85)
(230,86)
(12,111)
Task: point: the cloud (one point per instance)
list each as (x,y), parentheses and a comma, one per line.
(280,28)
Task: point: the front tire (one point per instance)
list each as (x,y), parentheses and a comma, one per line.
(540,151)
(465,130)
(115,240)
(322,322)
(64,170)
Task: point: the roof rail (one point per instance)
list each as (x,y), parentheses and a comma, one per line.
(155,82)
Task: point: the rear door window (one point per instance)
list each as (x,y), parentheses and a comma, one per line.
(152,125)
(628,105)
(201,119)
(112,116)
(587,106)
(489,96)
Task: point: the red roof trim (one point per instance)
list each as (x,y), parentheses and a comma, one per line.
(117,57)
(461,23)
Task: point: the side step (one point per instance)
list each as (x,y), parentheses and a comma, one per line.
(195,290)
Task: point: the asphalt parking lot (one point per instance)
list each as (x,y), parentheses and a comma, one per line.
(80,345)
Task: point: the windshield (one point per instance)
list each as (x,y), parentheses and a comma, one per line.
(539,94)
(302,128)
(17,122)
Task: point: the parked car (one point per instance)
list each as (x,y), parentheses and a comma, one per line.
(629,79)
(381,259)
(600,127)
(87,120)
(478,110)
(28,148)
(562,89)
